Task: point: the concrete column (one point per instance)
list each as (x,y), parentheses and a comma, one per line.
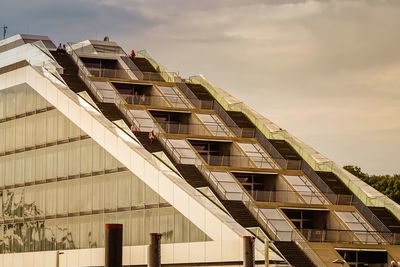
(248,251)
(154,255)
(113,242)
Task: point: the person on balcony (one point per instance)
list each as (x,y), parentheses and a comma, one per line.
(143,99)
(151,137)
(59,49)
(134,129)
(135,98)
(132,54)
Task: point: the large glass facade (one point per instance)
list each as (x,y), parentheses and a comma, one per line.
(58,187)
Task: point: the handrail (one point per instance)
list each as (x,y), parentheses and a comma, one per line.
(123,74)
(289,196)
(190,128)
(158,100)
(350,236)
(243,161)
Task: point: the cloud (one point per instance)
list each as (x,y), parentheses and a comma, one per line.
(328,71)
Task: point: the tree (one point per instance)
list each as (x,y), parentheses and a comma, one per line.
(386,184)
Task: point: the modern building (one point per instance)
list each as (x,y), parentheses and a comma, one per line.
(77,151)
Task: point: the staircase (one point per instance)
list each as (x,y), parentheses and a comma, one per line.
(240,213)
(295,256)
(387,218)
(75,83)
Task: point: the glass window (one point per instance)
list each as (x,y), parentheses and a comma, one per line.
(259,157)
(305,189)
(174,97)
(182,151)
(143,119)
(359,226)
(214,124)
(279,224)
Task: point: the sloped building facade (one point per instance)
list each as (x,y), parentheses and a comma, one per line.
(77,151)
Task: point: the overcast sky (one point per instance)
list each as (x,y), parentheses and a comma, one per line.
(327,71)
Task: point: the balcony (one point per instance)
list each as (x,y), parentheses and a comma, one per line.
(105,68)
(351,237)
(108,73)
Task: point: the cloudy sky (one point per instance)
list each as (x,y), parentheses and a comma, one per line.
(327,71)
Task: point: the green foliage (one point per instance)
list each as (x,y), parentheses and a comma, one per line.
(386,184)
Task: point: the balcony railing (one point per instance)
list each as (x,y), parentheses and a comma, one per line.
(192,129)
(287,196)
(353,237)
(239,161)
(182,128)
(166,101)
(123,74)
(146,100)
(108,73)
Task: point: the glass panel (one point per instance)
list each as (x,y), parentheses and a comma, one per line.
(174,97)
(144,120)
(280,226)
(305,189)
(260,158)
(214,124)
(182,151)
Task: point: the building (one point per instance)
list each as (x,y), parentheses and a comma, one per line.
(75,154)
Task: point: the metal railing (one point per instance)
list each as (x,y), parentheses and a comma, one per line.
(182,128)
(192,128)
(155,100)
(349,236)
(108,73)
(307,197)
(238,161)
